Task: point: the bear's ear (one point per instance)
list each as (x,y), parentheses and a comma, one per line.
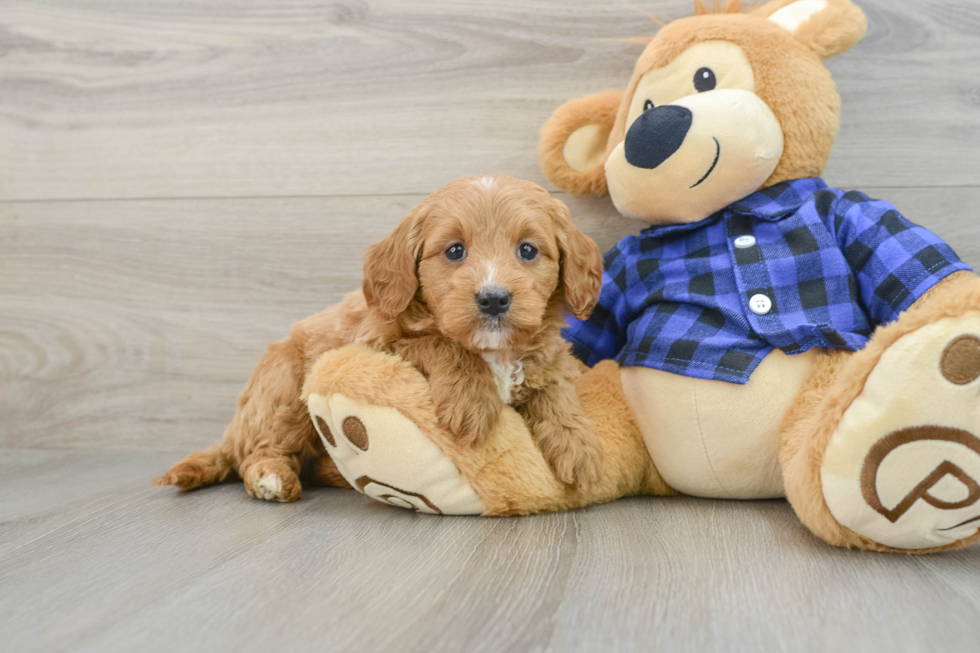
(572,149)
(828,27)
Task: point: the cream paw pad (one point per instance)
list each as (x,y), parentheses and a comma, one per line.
(903,467)
(384,455)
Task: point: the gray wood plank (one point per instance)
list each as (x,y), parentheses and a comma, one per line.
(45,491)
(215,570)
(134,324)
(205,98)
(128,327)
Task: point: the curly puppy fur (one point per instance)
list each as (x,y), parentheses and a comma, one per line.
(418,302)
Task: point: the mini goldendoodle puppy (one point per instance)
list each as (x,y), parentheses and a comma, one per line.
(471,288)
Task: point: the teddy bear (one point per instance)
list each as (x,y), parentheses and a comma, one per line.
(767,335)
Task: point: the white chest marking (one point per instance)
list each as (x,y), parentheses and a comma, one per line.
(505,375)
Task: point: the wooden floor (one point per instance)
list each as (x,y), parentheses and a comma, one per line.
(94,559)
(179,181)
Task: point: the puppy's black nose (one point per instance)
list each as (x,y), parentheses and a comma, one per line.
(493,301)
(656,135)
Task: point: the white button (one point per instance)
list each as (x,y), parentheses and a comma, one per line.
(760,304)
(744,242)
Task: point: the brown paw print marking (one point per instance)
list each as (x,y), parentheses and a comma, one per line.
(960,363)
(356,433)
(321,425)
(892,441)
(397,497)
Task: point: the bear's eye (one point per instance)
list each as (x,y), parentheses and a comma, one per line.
(648,105)
(456,252)
(527,252)
(704,80)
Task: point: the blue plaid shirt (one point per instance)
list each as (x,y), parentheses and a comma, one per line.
(830,264)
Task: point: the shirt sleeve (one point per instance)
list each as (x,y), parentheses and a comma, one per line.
(604,333)
(893,260)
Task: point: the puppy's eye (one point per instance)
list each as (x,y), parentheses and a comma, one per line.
(527,252)
(456,252)
(704,80)
(648,105)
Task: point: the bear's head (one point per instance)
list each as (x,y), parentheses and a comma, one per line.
(720,105)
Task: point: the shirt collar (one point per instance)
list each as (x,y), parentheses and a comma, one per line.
(771,204)
(778,201)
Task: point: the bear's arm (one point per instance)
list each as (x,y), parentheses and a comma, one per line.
(894,261)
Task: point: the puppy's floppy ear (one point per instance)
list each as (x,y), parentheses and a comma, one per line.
(572,149)
(828,27)
(581,264)
(390,268)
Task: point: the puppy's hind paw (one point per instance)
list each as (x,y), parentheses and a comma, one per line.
(268,487)
(272,481)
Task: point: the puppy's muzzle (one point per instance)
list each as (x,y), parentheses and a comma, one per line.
(493,300)
(656,135)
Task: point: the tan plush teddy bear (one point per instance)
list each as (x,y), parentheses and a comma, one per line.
(767,336)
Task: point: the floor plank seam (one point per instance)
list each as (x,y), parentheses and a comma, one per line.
(422,193)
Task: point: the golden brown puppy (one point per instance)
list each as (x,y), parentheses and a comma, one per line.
(471,288)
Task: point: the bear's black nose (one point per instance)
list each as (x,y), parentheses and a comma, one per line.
(493,301)
(656,135)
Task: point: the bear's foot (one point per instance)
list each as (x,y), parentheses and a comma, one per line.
(902,468)
(376,448)
(384,455)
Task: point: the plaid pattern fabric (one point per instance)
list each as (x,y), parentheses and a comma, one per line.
(833,265)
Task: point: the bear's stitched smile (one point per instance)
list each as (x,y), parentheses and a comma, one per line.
(713,164)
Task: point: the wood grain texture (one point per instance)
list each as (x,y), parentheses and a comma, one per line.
(220,98)
(134,324)
(153,570)
(180,181)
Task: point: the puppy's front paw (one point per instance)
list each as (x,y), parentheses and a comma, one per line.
(573,452)
(272,480)
(471,421)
